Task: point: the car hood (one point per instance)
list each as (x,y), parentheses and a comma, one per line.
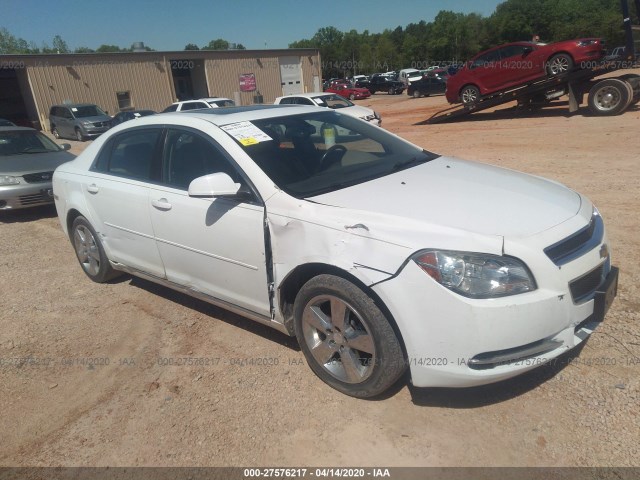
(356,111)
(17,165)
(461,195)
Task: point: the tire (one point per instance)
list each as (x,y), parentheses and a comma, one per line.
(352,97)
(416,93)
(79,135)
(90,253)
(391,91)
(559,64)
(632,79)
(372,92)
(609,97)
(55,132)
(361,358)
(470,95)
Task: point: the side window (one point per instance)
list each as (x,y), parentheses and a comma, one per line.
(488,60)
(511,51)
(131,154)
(287,101)
(188,155)
(305,101)
(193,105)
(170,108)
(65,113)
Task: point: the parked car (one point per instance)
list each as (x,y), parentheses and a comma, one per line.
(513,64)
(405,74)
(383,83)
(355,245)
(27,161)
(426,86)
(212,102)
(6,123)
(333,101)
(78,121)
(349,91)
(360,81)
(121,117)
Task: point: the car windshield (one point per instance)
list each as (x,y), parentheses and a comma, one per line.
(87,111)
(25,142)
(332,101)
(314,153)
(223,103)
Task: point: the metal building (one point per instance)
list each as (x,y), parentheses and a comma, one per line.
(31,84)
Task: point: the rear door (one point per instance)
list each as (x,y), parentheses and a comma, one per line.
(486,72)
(117,194)
(518,65)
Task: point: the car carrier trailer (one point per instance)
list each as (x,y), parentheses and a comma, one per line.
(607,96)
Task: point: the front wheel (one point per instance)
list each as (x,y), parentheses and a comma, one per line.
(352,97)
(391,91)
(345,337)
(470,95)
(54,131)
(90,253)
(79,136)
(559,64)
(416,93)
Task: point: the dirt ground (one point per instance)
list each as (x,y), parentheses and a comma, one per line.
(132,374)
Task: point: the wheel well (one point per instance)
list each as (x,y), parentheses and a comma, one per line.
(291,285)
(559,53)
(71,216)
(467,85)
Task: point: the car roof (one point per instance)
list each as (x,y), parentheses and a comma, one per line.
(309,95)
(69,105)
(210,99)
(229,115)
(17,129)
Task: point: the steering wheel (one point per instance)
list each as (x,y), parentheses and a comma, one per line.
(333,155)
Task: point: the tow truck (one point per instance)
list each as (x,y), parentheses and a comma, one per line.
(605,97)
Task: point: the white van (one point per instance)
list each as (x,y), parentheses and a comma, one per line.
(404,75)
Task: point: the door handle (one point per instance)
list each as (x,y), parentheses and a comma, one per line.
(161,204)
(93,188)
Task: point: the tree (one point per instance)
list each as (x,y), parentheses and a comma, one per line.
(83,50)
(218,44)
(59,45)
(191,46)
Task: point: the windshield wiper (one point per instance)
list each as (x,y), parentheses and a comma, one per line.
(401,165)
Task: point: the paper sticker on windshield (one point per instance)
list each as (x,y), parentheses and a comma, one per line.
(319,101)
(74,109)
(246,133)
(136,114)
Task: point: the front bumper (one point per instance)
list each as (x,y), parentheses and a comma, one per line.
(24,195)
(454,341)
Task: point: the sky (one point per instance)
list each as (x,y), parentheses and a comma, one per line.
(171,24)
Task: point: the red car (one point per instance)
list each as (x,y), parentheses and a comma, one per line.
(349,91)
(516,63)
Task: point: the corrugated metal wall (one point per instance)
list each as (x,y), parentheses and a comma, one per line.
(148,76)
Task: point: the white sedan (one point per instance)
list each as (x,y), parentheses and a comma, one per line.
(376,254)
(333,101)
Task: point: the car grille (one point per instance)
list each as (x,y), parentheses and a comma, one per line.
(38,177)
(100,124)
(577,244)
(583,288)
(36,198)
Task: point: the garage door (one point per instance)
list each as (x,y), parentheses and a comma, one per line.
(291,74)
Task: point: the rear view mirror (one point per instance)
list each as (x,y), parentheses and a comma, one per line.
(214,185)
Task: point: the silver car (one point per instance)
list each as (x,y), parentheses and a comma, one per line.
(27,161)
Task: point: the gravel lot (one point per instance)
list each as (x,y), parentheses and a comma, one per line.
(87,379)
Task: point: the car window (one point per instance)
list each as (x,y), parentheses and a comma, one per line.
(170,108)
(25,143)
(511,51)
(131,154)
(187,156)
(487,60)
(288,101)
(84,111)
(193,105)
(65,113)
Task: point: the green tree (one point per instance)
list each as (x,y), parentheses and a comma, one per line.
(218,44)
(59,45)
(191,46)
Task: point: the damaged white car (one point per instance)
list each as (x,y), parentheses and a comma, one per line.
(377,255)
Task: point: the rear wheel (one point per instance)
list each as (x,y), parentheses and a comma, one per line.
(470,95)
(610,97)
(90,253)
(559,64)
(345,338)
(391,91)
(416,93)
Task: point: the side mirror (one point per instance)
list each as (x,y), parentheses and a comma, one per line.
(214,185)
(527,50)
(65,146)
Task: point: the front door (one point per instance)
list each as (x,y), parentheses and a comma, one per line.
(215,246)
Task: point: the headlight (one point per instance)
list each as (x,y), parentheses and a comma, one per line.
(86,124)
(476,275)
(8,180)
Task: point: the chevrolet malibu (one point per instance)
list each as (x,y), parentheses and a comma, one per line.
(376,254)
